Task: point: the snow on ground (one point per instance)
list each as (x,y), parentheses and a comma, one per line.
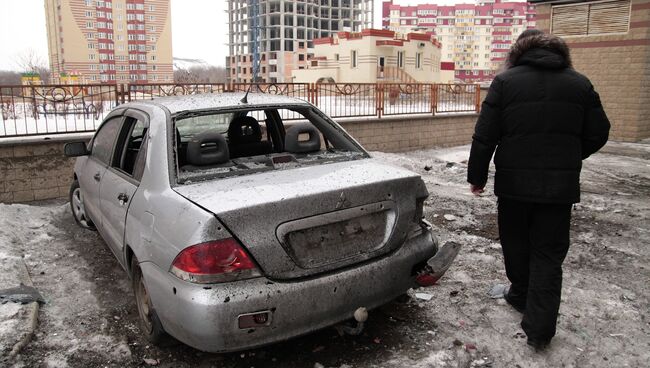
(90,319)
(35,233)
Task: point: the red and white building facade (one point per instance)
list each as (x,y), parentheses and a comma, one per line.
(475,38)
(109,41)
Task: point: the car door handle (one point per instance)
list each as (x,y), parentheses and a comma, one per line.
(123,198)
(97,177)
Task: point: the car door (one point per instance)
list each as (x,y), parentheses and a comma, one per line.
(122,178)
(92,172)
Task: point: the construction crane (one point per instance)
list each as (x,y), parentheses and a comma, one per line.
(254,16)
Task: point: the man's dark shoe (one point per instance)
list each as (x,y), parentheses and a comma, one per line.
(538,344)
(519,308)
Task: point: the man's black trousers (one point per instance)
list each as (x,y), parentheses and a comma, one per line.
(535,241)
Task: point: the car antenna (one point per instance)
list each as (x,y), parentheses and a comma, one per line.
(255,70)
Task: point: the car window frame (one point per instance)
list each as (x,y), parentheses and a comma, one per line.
(140,116)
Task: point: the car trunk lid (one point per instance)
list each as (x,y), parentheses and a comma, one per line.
(303,221)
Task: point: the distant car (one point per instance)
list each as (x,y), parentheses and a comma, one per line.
(246,223)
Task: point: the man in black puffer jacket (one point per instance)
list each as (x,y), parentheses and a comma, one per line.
(543,118)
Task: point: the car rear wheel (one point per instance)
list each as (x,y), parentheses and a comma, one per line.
(78,208)
(149,322)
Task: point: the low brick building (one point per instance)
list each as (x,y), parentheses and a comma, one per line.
(610,44)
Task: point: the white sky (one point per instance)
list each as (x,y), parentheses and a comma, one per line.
(199,28)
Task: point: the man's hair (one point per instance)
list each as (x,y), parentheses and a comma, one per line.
(536,39)
(529,32)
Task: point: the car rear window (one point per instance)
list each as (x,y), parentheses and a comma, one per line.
(212,145)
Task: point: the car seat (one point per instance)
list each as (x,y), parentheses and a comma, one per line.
(293,144)
(208,148)
(245,138)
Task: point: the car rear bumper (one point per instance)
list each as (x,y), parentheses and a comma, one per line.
(206,316)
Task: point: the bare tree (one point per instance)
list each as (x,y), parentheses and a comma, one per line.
(29,61)
(8,77)
(201,74)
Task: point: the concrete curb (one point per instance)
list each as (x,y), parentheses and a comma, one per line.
(32,311)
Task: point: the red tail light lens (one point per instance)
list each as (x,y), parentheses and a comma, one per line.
(216,261)
(426,280)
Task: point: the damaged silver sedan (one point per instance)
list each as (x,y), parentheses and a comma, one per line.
(246,223)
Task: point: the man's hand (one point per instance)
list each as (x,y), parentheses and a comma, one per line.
(476,190)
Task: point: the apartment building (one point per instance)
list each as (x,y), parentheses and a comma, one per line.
(475,38)
(373,56)
(109,41)
(276,36)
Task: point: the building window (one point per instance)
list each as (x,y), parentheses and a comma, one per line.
(418,60)
(354,62)
(400,59)
(336,57)
(591,18)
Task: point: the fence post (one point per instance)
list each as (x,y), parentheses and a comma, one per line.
(379,98)
(434,108)
(432,86)
(478,98)
(314,93)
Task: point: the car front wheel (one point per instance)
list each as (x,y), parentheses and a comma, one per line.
(149,322)
(78,208)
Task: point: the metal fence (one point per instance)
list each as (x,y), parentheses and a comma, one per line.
(54,109)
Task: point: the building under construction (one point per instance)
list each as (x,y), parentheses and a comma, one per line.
(270,38)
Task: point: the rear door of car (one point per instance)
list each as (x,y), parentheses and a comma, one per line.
(90,177)
(122,178)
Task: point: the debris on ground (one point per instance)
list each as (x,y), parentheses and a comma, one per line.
(424,296)
(86,288)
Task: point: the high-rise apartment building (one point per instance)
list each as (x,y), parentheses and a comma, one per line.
(475,38)
(110,41)
(278,35)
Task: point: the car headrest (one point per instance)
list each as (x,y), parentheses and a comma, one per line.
(244,129)
(207,148)
(293,142)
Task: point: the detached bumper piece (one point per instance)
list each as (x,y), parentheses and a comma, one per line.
(437,265)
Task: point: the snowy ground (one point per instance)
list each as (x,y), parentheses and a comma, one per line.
(90,319)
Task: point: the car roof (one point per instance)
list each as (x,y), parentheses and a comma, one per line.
(209,101)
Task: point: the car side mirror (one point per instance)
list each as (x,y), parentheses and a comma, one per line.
(75,149)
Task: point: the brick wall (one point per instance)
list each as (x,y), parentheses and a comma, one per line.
(36,170)
(401,134)
(619,67)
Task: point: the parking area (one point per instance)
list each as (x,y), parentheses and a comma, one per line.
(90,319)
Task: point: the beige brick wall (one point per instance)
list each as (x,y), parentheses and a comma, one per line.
(619,68)
(34,171)
(399,134)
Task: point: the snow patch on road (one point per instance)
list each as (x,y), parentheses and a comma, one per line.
(30,232)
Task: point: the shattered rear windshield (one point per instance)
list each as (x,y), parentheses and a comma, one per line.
(211,145)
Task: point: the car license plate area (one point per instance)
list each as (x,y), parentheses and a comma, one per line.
(338,236)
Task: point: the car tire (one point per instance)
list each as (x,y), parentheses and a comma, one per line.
(149,322)
(78,209)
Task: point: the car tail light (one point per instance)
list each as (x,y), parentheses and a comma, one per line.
(426,280)
(215,261)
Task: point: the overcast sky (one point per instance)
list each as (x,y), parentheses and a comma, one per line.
(199,29)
